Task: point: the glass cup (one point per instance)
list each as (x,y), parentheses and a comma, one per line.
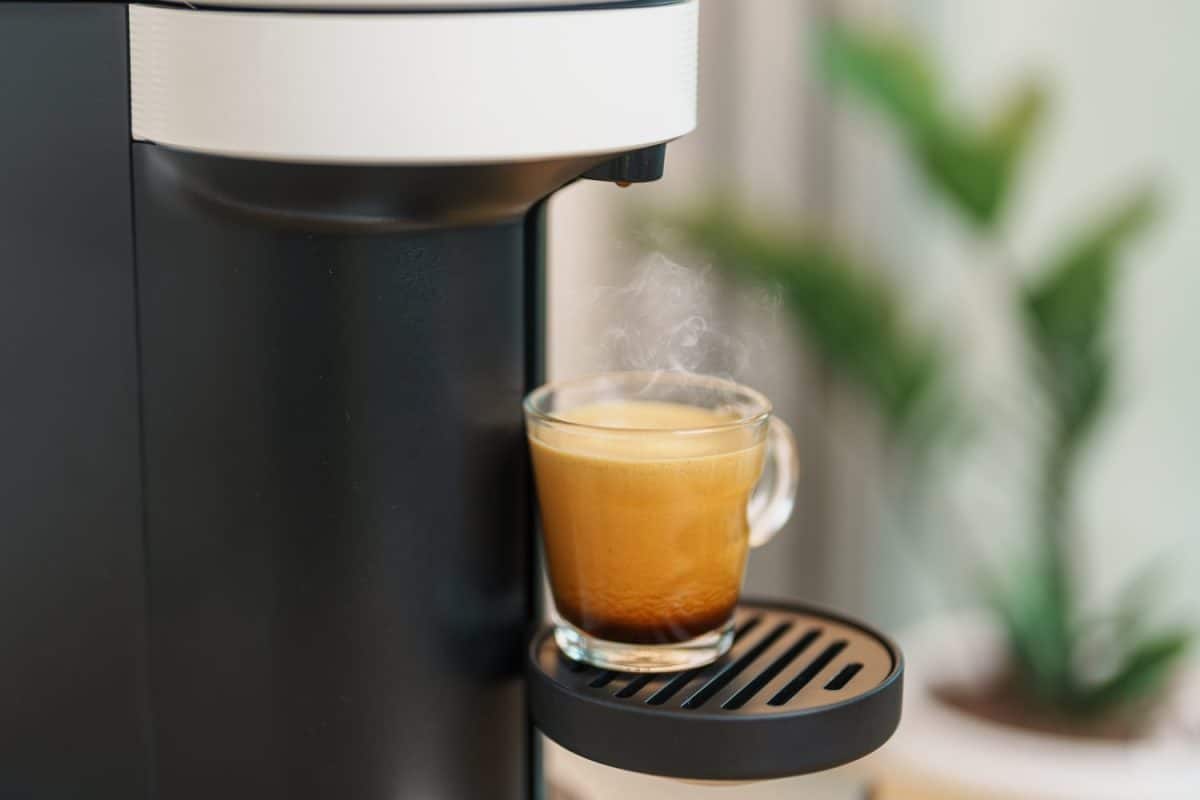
(652,488)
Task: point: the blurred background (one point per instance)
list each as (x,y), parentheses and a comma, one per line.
(956,244)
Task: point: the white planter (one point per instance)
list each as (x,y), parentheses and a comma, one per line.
(573,777)
(940,753)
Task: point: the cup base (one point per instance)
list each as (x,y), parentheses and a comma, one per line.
(623,657)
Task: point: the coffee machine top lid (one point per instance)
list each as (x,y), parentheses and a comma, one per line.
(418,5)
(411,85)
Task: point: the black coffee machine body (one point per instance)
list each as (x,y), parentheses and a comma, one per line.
(273,291)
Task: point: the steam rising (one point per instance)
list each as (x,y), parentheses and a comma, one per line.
(674,318)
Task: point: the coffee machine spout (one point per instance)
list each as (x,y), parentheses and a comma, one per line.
(636,166)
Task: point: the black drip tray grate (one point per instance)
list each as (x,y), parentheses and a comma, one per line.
(800,691)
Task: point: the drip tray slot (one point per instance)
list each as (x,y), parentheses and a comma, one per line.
(801,690)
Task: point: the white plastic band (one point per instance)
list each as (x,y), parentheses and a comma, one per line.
(350,5)
(412,88)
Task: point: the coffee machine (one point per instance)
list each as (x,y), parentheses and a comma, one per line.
(273,282)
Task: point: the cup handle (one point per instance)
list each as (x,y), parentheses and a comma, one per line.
(774,497)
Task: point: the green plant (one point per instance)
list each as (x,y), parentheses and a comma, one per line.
(856,322)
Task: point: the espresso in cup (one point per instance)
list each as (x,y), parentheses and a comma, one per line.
(645,536)
(644,483)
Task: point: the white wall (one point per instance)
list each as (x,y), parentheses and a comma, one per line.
(1126,79)
(1126,105)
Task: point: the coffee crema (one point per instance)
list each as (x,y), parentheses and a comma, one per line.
(644,517)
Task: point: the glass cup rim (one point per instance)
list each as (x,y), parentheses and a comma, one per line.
(759,401)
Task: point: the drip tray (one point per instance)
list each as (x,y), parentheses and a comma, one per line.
(801,690)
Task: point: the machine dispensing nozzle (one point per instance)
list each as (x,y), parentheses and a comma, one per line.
(637,166)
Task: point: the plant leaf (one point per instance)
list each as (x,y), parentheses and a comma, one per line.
(1011,130)
(852,320)
(973,166)
(1066,311)
(1133,604)
(1130,612)
(1143,672)
(1038,632)
(1069,300)
(888,69)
